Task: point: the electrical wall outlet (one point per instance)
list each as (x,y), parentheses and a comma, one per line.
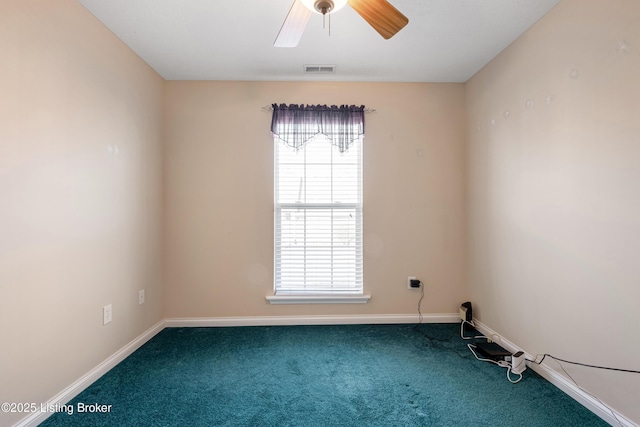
(409,279)
(141,297)
(107,314)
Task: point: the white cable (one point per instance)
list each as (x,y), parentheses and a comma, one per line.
(471,347)
(473,326)
(509,377)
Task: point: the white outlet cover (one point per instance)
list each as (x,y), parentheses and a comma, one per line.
(141,297)
(107,314)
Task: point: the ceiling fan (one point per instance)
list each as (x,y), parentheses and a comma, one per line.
(380,14)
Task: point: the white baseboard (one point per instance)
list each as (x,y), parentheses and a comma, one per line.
(191,322)
(563,383)
(90,377)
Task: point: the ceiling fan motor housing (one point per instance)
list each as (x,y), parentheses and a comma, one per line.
(323,6)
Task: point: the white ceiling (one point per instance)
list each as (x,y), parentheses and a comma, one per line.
(445,40)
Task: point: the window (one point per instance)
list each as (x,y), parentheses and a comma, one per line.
(318,218)
(318,210)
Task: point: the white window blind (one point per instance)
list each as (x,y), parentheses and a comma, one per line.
(318,218)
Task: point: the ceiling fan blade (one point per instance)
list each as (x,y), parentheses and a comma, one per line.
(381,15)
(293,26)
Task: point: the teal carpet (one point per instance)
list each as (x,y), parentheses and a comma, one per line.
(353,375)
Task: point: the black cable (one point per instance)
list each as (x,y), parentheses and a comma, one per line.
(435,342)
(613,413)
(581,364)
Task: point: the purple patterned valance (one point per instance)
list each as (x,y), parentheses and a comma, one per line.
(296,124)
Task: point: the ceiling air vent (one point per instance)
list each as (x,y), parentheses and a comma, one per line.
(319,69)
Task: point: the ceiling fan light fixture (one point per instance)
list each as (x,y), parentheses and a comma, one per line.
(380,14)
(324,6)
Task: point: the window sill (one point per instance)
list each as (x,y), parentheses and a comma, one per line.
(318,299)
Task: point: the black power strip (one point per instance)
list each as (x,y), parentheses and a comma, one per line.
(491,350)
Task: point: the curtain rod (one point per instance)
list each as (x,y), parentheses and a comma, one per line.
(270,108)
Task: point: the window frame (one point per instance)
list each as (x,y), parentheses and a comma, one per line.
(286,293)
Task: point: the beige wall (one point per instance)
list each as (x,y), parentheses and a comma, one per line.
(219,196)
(79,225)
(553,193)
(549,191)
